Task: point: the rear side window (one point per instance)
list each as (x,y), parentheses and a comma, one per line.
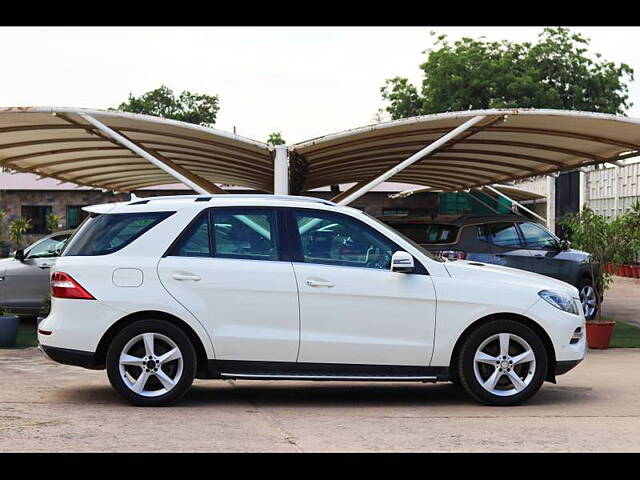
(431,233)
(500,234)
(246,233)
(108,233)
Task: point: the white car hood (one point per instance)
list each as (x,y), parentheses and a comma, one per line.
(498,274)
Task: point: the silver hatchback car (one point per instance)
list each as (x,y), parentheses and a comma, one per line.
(24,278)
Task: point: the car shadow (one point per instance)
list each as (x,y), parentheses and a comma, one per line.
(328,395)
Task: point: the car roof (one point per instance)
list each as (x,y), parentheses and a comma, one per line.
(181,202)
(457,220)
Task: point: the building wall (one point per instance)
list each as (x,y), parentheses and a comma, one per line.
(11,202)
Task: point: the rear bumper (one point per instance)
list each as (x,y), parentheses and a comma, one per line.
(66,356)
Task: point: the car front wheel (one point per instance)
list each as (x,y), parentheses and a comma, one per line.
(151,363)
(588,299)
(502,362)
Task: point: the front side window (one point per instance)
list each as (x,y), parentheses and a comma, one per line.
(500,234)
(537,237)
(108,233)
(339,240)
(245,233)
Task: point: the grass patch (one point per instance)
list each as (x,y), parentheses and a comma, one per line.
(27,336)
(625,335)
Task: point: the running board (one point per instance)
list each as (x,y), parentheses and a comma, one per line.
(385,378)
(259,370)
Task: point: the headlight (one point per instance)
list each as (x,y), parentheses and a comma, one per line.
(560,300)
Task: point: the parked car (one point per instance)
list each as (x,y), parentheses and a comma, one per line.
(161,291)
(25,278)
(508,240)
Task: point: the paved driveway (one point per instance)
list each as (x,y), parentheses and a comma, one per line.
(622,300)
(50,407)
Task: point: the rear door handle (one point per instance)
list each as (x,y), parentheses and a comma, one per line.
(44,265)
(319,283)
(186,276)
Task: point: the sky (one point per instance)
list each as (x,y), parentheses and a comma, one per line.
(302,81)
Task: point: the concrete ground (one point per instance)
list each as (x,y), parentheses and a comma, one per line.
(622,300)
(49,407)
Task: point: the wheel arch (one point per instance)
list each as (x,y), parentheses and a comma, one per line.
(109,335)
(546,340)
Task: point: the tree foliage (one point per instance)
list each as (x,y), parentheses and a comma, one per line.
(555,72)
(200,109)
(275,138)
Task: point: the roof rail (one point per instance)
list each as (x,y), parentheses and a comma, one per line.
(206,198)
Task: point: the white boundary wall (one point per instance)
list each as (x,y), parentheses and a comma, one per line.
(601,189)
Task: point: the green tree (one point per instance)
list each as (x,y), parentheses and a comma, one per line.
(200,109)
(555,72)
(275,138)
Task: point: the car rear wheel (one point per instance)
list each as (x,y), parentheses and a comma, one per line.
(502,362)
(151,363)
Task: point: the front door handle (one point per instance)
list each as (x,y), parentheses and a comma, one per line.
(319,283)
(186,276)
(44,265)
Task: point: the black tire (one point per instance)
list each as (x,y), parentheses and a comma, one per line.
(465,364)
(586,282)
(168,330)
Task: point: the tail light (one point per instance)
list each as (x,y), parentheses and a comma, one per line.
(451,254)
(63,286)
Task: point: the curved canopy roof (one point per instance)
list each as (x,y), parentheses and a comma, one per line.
(61,143)
(504,145)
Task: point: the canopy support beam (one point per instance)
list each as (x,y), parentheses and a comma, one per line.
(281,170)
(361,188)
(196,183)
(516,203)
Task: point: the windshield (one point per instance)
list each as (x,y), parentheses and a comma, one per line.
(422,250)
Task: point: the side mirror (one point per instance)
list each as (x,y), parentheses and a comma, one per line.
(402,262)
(565,245)
(19,255)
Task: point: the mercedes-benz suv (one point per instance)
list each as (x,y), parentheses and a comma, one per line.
(161,291)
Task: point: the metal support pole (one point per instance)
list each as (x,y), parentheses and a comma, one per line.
(582,192)
(144,154)
(411,160)
(616,189)
(518,204)
(281,170)
(551,203)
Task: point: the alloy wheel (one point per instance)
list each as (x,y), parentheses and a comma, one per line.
(151,364)
(504,364)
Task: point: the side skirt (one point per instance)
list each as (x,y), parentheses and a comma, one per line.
(252,370)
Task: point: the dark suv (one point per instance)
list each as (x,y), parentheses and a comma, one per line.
(509,240)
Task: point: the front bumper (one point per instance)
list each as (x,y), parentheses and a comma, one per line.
(70,357)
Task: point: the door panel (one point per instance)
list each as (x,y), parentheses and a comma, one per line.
(365,316)
(353,308)
(547,257)
(248,307)
(506,246)
(26,284)
(225,270)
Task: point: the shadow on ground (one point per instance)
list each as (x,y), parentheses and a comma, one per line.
(317,394)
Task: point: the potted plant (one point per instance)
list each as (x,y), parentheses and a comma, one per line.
(17,229)
(4,246)
(608,242)
(9,323)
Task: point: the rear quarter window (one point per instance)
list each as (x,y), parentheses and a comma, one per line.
(108,233)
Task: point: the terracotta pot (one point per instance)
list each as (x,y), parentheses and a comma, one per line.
(599,334)
(636,271)
(619,271)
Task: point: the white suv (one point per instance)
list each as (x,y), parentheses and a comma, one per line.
(161,291)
